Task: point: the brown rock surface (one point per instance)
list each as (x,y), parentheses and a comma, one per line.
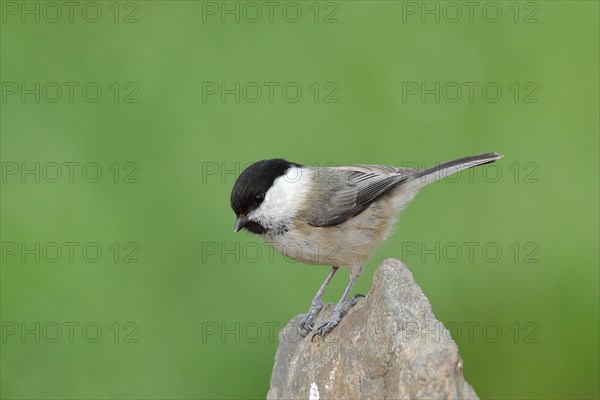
(389,346)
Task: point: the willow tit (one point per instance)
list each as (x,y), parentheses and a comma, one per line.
(335,216)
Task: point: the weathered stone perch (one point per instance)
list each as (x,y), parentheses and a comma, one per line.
(389,346)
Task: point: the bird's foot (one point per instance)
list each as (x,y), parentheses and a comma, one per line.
(306,325)
(335,319)
(353,300)
(328,326)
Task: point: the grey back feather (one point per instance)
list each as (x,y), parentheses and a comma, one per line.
(343,192)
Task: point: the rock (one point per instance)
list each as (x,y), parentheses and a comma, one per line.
(388,346)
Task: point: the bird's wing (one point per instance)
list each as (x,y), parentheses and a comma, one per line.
(344,192)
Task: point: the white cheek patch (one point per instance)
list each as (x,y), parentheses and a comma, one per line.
(284,198)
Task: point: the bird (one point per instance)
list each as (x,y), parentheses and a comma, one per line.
(335,216)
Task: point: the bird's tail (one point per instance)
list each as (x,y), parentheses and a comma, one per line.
(441,171)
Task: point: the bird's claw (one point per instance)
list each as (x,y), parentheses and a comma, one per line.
(336,317)
(305,326)
(327,327)
(353,300)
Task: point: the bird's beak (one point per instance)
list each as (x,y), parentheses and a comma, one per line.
(240,223)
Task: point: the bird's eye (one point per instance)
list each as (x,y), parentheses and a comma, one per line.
(259,198)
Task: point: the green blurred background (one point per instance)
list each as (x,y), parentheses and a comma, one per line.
(192,317)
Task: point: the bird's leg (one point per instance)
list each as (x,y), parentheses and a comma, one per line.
(306,325)
(340,309)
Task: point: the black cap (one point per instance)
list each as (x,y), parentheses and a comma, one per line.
(251,187)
